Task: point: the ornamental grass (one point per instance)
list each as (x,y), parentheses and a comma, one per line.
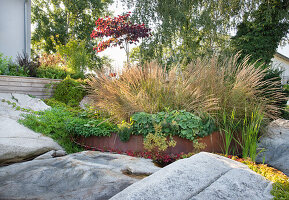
(206,86)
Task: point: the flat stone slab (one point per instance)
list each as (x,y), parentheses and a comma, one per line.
(204,176)
(86,175)
(275,143)
(20,143)
(17,142)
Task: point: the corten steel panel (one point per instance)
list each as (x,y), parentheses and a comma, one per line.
(214,143)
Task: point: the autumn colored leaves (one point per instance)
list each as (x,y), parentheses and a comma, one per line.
(120,30)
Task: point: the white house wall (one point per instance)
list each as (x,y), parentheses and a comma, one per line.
(14,35)
(284,65)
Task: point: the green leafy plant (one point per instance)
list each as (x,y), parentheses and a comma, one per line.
(90,127)
(124,131)
(181,123)
(228,130)
(76,55)
(69,91)
(4,61)
(53,124)
(250,133)
(158,141)
(52,71)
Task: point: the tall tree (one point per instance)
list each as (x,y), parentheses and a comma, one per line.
(187,28)
(66,19)
(260,35)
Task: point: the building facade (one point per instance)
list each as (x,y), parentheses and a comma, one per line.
(282,62)
(15,27)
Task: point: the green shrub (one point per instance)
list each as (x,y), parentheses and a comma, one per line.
(76,55)
(90,127)
(11,69)
(16,70)
(54,103)
(51,71)
(181,123)
(4,61)
(158,141)
(69,91)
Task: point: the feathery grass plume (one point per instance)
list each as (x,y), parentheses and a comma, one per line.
(237,85)
(150,89)
(209,85)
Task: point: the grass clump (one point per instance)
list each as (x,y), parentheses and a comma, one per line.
(147,89)
(209,85)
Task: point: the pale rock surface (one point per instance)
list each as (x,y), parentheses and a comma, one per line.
(204,176)
(17,142)
(88,175)
(20,143)
(85,102)
(275,143)
(21,100)
(47,155)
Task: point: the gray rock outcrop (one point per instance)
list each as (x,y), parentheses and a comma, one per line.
(17,142)
(87,175)
(204,176)
(85,102)
(275,143)
(21,100)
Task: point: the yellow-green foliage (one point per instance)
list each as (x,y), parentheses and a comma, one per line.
(281,181)
(199,146)
(158,141)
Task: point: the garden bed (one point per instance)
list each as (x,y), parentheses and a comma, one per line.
(214,143)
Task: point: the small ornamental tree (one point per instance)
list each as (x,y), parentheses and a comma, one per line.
(121,31)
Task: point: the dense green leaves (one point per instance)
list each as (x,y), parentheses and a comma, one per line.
(62,20)
(52,123)
(69,91)
(185,29)
(260,35)
(181,123)
(90,127)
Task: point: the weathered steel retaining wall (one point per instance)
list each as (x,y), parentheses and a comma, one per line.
(214,143)
(38,87)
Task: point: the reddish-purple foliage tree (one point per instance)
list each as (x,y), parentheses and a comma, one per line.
(121,31)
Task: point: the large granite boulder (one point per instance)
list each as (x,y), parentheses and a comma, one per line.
(204,176)
(87,175)
(275,143)
(17,142)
